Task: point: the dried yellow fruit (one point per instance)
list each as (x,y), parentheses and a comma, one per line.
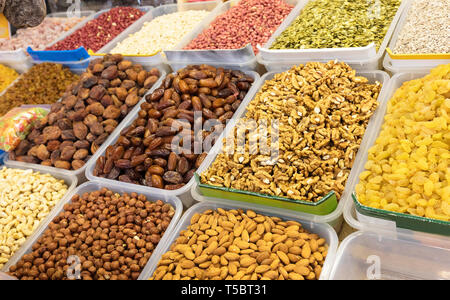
(408,166)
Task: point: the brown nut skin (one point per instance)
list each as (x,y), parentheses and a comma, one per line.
(90,227)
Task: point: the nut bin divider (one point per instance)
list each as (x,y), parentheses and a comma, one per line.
(349,55)
(323,230)
(333,217)
(184,192)
(222,56)
(95,186)
(71,182)
(80,172)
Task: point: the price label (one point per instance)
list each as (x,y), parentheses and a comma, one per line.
(5,29)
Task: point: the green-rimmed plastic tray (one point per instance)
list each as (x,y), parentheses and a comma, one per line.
(324,206)
(405,221)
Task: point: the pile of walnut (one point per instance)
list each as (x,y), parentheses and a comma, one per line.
(87,114)
(323,110)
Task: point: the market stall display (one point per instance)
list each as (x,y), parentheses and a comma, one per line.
(42,84)
(159,107)
(89,111)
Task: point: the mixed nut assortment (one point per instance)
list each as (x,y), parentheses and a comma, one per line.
(111,235)
(159,148)
(318,113)
(87,114)
(236,245)
(27,198)
(323,110)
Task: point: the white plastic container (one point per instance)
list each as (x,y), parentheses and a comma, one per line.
(183,193)
(4,276)
(71,182)
(158,58)
(19,60)
(358,220)
(95,186)
(80,173)
(377,254)
(359,58)
(380,250)
(323,230)
(243,58)
(408,65)
(334,218)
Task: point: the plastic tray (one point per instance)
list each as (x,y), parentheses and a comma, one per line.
(360,58)
(95,186)
(157,58)
(4,276)
(19,60)
(323,230)
(419,63)
(383,218)
(184,192)
(71,182)
(76,54)
(228,57)
(131,114)
(334,218)
(380,255)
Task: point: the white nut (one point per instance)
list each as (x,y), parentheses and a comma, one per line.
(26,198)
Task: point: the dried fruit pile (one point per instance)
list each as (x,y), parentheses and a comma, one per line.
(90,110)
(160,149)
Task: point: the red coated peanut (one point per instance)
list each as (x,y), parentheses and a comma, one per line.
(98,32)
(251,21)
